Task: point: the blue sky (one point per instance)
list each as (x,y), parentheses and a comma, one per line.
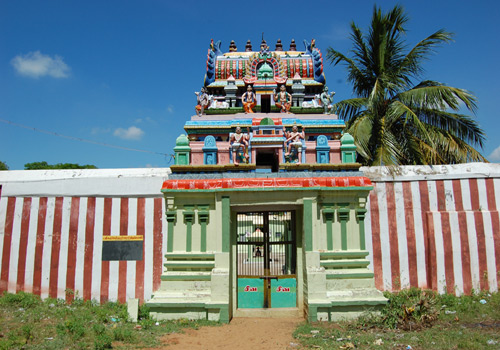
(123,73)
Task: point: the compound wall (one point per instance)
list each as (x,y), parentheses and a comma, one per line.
(431,227)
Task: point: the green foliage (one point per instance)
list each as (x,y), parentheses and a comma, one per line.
(3,166)
(21,299)
(419,318)
(395,118)
(28,322)
(58,166)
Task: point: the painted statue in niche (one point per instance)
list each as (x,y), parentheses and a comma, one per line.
(249,100)
(203,101)
(283,99)
(239,146)
(327,100)
(293,144)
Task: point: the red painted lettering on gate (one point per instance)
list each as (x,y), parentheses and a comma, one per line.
(250,289)
(282,289)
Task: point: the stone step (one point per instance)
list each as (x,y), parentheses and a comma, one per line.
(344,263)
(349,273)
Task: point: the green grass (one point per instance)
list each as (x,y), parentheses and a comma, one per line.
(27,322)
(420,319)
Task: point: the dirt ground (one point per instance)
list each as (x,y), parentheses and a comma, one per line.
(240,334)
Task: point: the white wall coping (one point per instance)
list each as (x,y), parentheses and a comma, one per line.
(434,172)
(144,182)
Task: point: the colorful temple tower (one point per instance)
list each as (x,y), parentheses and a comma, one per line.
(265,203)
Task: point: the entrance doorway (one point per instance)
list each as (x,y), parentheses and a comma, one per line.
(265,103)
(266,256)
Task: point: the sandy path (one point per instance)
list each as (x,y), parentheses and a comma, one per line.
(240,334)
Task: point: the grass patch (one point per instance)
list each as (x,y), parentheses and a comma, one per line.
(414,319)
(27,322)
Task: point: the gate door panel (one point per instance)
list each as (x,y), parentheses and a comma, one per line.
(284,292)
(250,293)
(266,254)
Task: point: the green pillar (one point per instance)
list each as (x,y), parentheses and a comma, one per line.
(226,223)
(308,225)
(170,214)
(360,215)
(328,213)
(203,215)
(343,214)
(188,220)
(347,149)
(182,150)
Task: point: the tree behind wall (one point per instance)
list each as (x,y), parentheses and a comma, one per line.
(45,165)
(396,119)
(3,166)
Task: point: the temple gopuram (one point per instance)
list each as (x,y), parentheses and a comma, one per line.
(265,205)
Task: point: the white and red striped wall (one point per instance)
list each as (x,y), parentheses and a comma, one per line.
(430,227)
(435,228)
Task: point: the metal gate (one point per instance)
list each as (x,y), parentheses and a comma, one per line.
(266,253)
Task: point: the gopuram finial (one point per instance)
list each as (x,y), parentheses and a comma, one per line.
(232,46)
(248,47)
(293,46)
(279,46)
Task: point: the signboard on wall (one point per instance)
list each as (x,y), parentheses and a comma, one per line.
(122,248)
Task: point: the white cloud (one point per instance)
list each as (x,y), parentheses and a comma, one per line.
(170,109)
(495,155)
(36,65)
(132,133)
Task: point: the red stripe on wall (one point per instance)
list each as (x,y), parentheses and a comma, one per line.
(56,247)
(106,230)
(432,259)
(139,266)
(40,233)
(7,241)
(89,249)
(495,224)
(481,241)
(122,265)
(424,205)
(464,238)
(23,244)
(377,247)
(446,231)
(157,244)
(72,245)
(410,234)
(393,235)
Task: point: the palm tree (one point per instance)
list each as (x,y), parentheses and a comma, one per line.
(394,120)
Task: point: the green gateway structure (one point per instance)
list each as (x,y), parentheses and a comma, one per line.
(265,203)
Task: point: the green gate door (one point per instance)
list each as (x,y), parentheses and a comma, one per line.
(266,254)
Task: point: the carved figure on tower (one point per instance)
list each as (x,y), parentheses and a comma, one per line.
(293,140)
(283,100)
(249,100)
(239,146)
(203,101)
(327,100)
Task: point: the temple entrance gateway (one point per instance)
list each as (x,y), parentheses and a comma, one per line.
(266,255)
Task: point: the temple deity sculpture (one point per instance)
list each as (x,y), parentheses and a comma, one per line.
(283,99)
(249,100)
(203,101)
(327,100)
(293,139)
(239,146)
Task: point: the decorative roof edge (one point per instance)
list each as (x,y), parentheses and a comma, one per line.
(262,183)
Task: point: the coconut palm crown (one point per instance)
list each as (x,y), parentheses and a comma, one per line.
(394,120)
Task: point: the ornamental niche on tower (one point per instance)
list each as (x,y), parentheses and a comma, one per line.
(265,203)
